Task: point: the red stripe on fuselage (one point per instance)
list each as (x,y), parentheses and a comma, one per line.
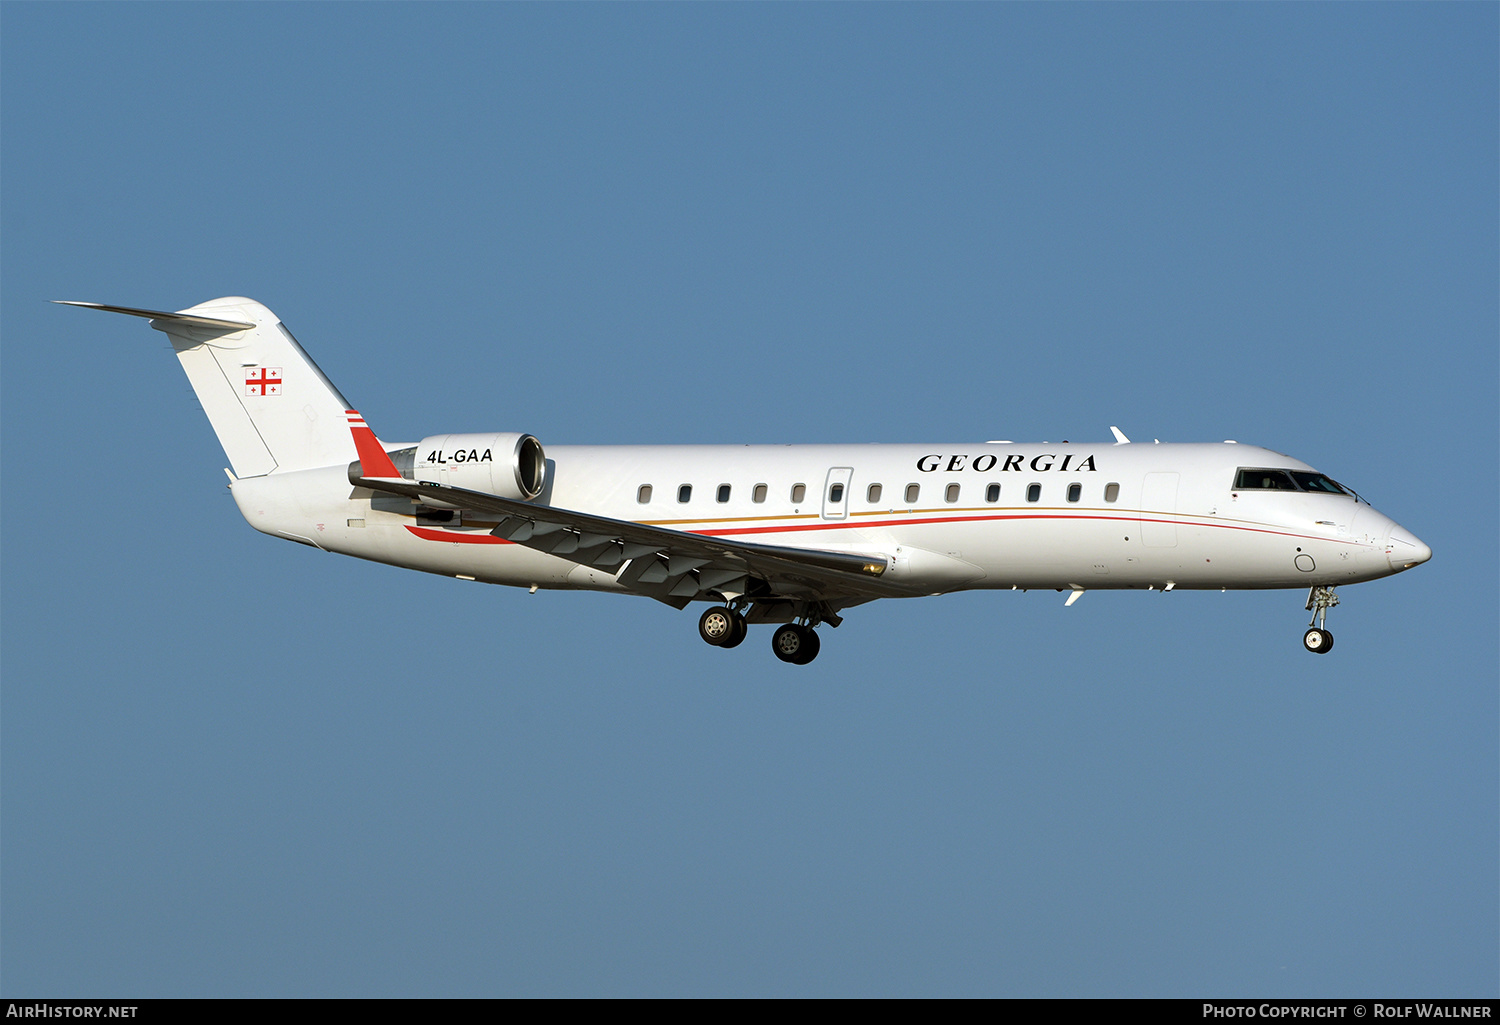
(1006,516)
(429,534)
(457,537)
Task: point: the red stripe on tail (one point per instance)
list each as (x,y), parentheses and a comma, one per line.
(373,460)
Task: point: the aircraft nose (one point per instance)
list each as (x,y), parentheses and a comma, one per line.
(1405,550)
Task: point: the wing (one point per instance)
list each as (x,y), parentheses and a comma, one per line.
(673,566)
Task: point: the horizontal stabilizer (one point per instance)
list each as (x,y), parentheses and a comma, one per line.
(182,318)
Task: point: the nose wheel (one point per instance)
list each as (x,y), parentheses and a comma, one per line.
(1319,639)
(1319,642)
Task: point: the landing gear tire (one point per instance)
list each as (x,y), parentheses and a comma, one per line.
(717,627)
(795,644)
(1319,642)
(740,630)
(1320,598)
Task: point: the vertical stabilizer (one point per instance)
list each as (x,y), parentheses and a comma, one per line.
(270,405)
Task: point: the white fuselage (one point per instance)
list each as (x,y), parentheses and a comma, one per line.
(785,534)
(1066,515)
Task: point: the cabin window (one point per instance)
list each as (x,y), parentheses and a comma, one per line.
(950,493)
(1248,479)
(1034,493)
(723,495)
(912,491)
(836,494)
(759,494)
(799,492)
(643,494)
(685,493)
(1111,492)
(1075,492)
(992,493)
(872,495)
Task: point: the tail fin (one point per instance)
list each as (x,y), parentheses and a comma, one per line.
(270,405)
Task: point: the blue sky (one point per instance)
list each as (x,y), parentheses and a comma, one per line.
(233,766)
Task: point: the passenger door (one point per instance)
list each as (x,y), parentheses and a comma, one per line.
(836,493)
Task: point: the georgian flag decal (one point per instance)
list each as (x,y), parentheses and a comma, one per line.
(263,381)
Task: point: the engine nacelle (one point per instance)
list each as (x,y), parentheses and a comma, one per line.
(508,465)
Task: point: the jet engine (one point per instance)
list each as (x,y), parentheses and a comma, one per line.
(508,465)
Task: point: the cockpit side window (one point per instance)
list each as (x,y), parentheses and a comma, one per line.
(1252,479)
(1318,482)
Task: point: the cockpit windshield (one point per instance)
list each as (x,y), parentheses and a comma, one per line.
(1318,482)
(1263,480)
(1257,479)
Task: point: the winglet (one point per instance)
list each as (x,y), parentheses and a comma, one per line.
(1120,438)
(374,461)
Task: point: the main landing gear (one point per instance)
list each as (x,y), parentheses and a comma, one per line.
(1318,639)
(724,627)
(796,644)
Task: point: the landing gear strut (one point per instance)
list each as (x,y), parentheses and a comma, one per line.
(1318,639)
(722,627)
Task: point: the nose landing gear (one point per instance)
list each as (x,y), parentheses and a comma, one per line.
(1318,639)
(1319,642)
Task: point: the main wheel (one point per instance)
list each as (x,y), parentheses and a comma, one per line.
(740,631)
(795,644)
(716,626)
(1319,642)
(811,644)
